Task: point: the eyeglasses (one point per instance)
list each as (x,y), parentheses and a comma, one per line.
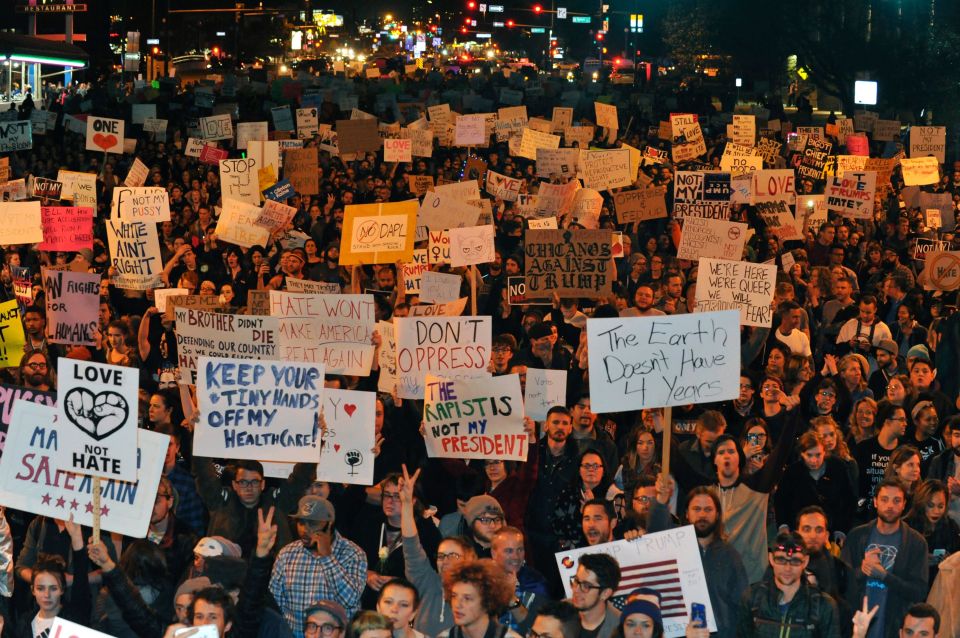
(37,366)
(746,386)
(391,496)
(326,629)
(643,499)
(591,467)
(489,520)
(164,495)
(501,350)
(582,585)
(898,419)
(792,562)
(451,555)
(247,483)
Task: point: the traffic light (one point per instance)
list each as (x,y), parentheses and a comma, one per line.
(155,50)
(463,30)
(471,4)
(600,37)
(467,20)
(510,23)
(538,9)
(215,51)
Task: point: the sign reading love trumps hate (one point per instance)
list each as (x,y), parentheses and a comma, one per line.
(30,479)
(264,410)
(649,362)
(97,419)
(474,418)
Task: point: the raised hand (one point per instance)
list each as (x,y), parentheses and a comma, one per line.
(266,532)
(407,485)
(97,552)
(76,534)
(862,619)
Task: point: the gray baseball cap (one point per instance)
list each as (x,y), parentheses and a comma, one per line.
(314,508)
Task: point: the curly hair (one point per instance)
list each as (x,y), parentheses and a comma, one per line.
(841,450)
(489,579)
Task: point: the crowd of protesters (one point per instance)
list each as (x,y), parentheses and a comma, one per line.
(825,498)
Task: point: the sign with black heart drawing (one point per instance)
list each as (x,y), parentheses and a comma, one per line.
(97,411)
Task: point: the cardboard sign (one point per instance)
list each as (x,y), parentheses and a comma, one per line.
(774,185)
(941,271)
(312,287)
(251,131)
(716,238)
(470,130)
(358,136)
(603,170)
(387,358)
(779,218)
(440,211)
(639,205)
(606,116)
(740,160)
(135,254)
(517,294)
(663,361)
(883,130)
(451,309)
(745,286)
(104,135)
(346,455)
(155,125)
(586,208)
(211,334)
(274,216)
(334,330)
(667,561)
(412,272)
(474,418)
(853,194)
(420,184)
(378,233)
(813,160)
(438,248)
(471,245)
(66,228)
(568,263)
(97,419)
(16,136)
(397,150)
(438,287)
(151,204)
(216,127)
(12,337)
(544,390)
(557,162)
(138,173)
(46,188)
(503,187)
(282,118)
(531,140)
(562,118)
(928,140)
(211,155)
(238,178)
(546,223)
(22,222)
(262,410)
(73,303)
(10,395)
(30,480)
(300,166)
(457,347)
(701,194)
(78,188)
(65,629)
(744,129)
(689,145)
(920,171)
(769,150)
(209,303)
(238,224)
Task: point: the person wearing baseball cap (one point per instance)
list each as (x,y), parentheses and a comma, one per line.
(484,518)
(325,618)
(321,566)
(292,263)
(888,366)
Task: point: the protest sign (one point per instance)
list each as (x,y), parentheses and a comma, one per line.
(884,130)
(701,194)
(470,130)
(557,162)
(744,129)
(517,293)
(274,216)
(279,192)
(474,418)
(451,309)
(346,455)
(150,204)
(78,188)
(412,272)
(378,233)
(104,135)
(134,254)
(578,136)
(62,628)
(300,166)
(154,125)
(46,188)
(138,173)
(251,131)
(740,160)
(531,140)
(12,337)
(814,159)
(211,155)
(334,330)
(31,481)
(544,390)
(16,136)
(728,285)
(858,145)
(586,208)
(502,187)
(606,116)
(440,211)
(928,140)
(421,141)
(22,285)
(140,112)
(282,118)
(471,245)
(920,171)
(941,271)
(711,238)
(639,205)
(73,304)
(420,184)
(438,287)
(689,145)
(387,357)
(932,218)
(668,562)
(663,361)
(66,228)
(14,190)
(774,185)
(22,222)
(779,218)
(456,347)
(545,223)
(200,333)
(397,150)
(238,224)
(307,124)
(10,395)
(562,118)
(358,136)
(238,178)
(769,150)
(258,409)
(852,195)
(162,295)
(313,287)
(568,263)
(603,170)
(216,127)
(193,148)
(438,247)
(97,419)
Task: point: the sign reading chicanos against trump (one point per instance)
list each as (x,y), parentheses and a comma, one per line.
(651,362)
(474,418)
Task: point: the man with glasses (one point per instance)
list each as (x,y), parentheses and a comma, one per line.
(588,437)
(873,455)
(592,587)
(325,619)
(321,565)
(36,372)
(783,602)
(503,348)
(484,518)
(888,561)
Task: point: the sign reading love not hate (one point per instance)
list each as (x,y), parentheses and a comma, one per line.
(105,135)
(663,361)
(29,479)
(97,417)
(265,410)
(474,418)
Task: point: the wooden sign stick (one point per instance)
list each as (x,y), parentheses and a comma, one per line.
(667,431)
(473,289)
(96,509)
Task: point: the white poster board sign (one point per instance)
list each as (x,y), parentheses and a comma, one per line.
(347,453)
(727,285)
(456,347)
(544,389)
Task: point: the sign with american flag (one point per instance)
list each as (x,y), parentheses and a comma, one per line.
(667,561)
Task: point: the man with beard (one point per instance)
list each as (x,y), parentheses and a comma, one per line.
(484,518)
(824,570)
(36,371)
(783,601)
(529,585)
(635,523)
(722,566)
(946,465)
(863,333)
(593,585)
(597,519)
(588,437)
(34,328)
(888,562)
(642,304)
(886,353)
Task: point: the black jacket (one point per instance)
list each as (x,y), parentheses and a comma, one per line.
(811,613)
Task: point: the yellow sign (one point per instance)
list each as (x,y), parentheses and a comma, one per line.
(378,233)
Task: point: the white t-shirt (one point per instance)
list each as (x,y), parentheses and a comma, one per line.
(40,627)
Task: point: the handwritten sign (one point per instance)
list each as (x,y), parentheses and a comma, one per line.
(852,195)
(471,245)
(135,254)
(217,127)
(603,170)
(346,455)
(928,140)
(606,116)
(557,162)
(104,135)
(711,238)
(920,171)
(97,419)
(474,418)
(438,287)
(22,222)
(503,187)
(701,194)
(663,361)
(238,224)
(639,205)
(728,285)
(78,188)
(456,347)
(212,334)
(16,136)
(209,303)
(569,263)
(12,337)
(274,216)
(531,140)
(239,180)
(378,233)
(150,204)
(397,150)
(73,303)
(66,228)
(813,159)
(544,390)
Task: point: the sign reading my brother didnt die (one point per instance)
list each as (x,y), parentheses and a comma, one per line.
(652,362)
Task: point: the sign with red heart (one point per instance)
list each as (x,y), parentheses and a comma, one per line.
(105,135)
(348,442)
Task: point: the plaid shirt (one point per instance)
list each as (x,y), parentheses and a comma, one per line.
(301,578)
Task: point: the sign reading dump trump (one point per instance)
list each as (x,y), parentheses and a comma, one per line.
(649,362)
(263,410)
(474,418)
(31,481)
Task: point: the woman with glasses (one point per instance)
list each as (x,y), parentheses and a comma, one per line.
(899,390)
(590,482)
(477,591)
